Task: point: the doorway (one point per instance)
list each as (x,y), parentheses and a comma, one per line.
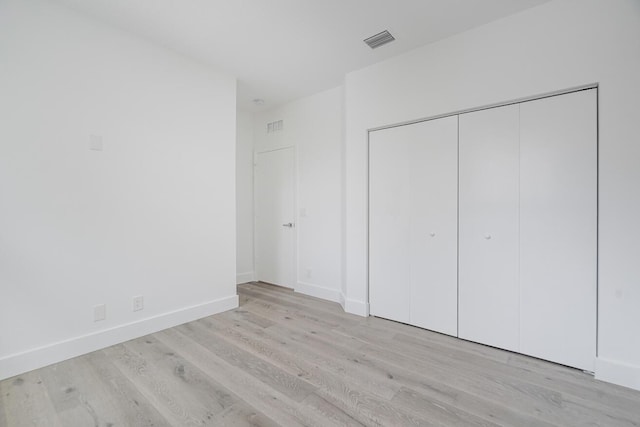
(274,173)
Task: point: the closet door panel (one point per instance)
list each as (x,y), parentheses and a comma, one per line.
(488,228)
(389,224)
(559,228)
(413,224)
(434,224)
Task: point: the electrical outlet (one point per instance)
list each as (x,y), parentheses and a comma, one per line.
(99,312)
(307,273)
(138,303)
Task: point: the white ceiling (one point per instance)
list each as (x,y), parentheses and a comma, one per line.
(281,50)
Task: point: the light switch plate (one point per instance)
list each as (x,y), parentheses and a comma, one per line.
(99,312)
(95,143)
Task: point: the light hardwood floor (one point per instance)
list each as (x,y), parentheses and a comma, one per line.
(286,359)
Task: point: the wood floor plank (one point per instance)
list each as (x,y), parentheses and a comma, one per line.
(179,404)
(242,415)
(571,381)
(308,324)
(126,397)
(81,396)
(323,354)
(26,402)
(599,399)
(296,301)
(325,343)
(339,387)
(287,384)
(547,404)
(331,412)
(303,306)
(183,376)
(309,301)
(541,367)
(405,373)
(259,395)
(368,409)
(279,312)
(419,399)
(286,359)
(525,380)
(443,412)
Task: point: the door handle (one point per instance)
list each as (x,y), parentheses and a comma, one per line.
(289,224)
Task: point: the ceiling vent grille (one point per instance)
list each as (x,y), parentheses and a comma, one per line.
(379,39)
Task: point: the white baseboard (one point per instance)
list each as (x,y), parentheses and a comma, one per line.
(341,300)
(618,373)
(360,308)
(244,277)
(19,363)
(318,291)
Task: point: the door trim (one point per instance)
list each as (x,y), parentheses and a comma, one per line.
(579,88)
(488,106)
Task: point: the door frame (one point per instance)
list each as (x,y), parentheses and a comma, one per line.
(294,273)
(589,86)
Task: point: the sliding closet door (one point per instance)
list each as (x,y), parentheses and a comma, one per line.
(488,275)
(558,143)
(413,224)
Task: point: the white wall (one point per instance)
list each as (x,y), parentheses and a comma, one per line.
(152,214)
(244,198)
(313,125)
(558,45)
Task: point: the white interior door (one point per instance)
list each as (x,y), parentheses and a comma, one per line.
(413,224)
(558,232)
(275,217)
(488,228)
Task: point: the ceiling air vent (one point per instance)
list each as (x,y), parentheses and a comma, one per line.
(379,39)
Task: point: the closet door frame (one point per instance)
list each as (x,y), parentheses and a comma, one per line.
(488,106)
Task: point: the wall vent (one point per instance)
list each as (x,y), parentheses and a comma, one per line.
(274,126)
(379,39)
